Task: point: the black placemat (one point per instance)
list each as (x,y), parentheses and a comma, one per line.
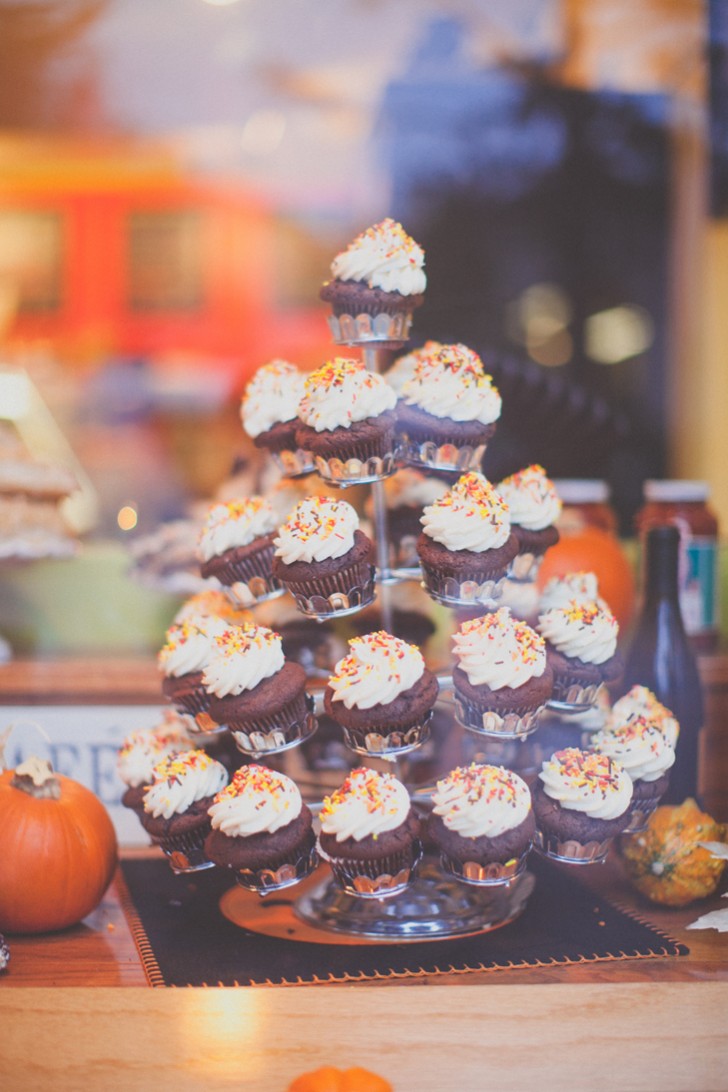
(184,939)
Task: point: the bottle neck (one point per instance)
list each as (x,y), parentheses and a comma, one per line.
(662,552)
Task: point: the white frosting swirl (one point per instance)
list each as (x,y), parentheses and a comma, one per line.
(469,516)
(180,780)
(318,528)
(240,658)
(583,631)
(385,257)
(499,650)
(531,497)
(579,587)
(368,803)
(590,783)
(341,392)
(640,702)
(480,801)
(639,747)
(378,668)
(271,396)
(235,523)
(257,800)
(142,750)
(187,646)
(405,366)
(453,383)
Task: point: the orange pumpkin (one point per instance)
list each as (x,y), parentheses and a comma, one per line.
(593,550)
(58,849)
(665,861)
(330,1079)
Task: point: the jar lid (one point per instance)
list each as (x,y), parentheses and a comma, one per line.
(675,490)
(582,490)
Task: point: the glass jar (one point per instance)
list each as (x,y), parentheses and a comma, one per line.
(586,503)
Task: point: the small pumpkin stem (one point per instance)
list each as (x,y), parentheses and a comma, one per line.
(35,776)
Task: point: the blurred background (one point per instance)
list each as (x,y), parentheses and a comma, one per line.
(176,176)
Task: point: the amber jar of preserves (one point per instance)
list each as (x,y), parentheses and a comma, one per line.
(685,504)
(586,503)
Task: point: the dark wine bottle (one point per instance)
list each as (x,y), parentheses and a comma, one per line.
(661,657)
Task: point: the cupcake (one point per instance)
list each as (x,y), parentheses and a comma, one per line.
(369,834)
(323,559)
(262,830)
(236,547)
(269,414)
(467,545)
(581,645)
(646,754)
(347,422)
(381,694)
(176,800)
(640,703)
(376,284)
(534,508)
(254,691)
(448,410)
(181,660)
(576,587)
(404,367)
(582,801)
(482,823)
(406,494)
(142,750)
(501,677)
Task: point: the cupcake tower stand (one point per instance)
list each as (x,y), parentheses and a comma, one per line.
(430,903)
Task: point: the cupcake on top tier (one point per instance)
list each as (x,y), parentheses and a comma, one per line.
(467,544)
(143,749)
(324,559)
(269,413)
(262,830)
(582,801)
(254,691)
(501,677)
(176,800)
(376,284)
(581,644)
(448,410)
(640,703)
(235,546)
(381,694)
(645,753)
(482,823)
(534,507)
(347,422)
(181,660)
(369,834)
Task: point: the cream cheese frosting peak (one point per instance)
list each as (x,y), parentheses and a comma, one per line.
(452,382)
(469,516)
(271,396)
(235,523)
(180,781)
(367,804)
(257,800)
(481,801)
(587,782)
(498,650)
(583,631)
(384,256)
(240,658)
(639,746)
(378,668)
(317,529)
(341,392)
(531,497)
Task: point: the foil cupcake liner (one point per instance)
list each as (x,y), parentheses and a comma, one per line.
(489,723)
(452,456)
(472,590)
(327,600)
(494,874)
(257,590)
(266,880)
(294,464)
(186,852)
(354,471)
(572,697)
(570,851)
(640,816)
(271,739)
(524,568)
(390,743)
(378,879)
(251,580)
(383,330)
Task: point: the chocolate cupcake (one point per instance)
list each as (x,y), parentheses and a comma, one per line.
(448,410)
(582,802)
(482,823)
(382,694)
(181,660)
(581,645)
(370,834)
(534,507)
(645,753)
(323,559)
(347,422)
(182,788)
(255,692)
(467,545)
(262,830)
(377,282)
(235,547)
(269,414)
(501,677)
(142,750)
